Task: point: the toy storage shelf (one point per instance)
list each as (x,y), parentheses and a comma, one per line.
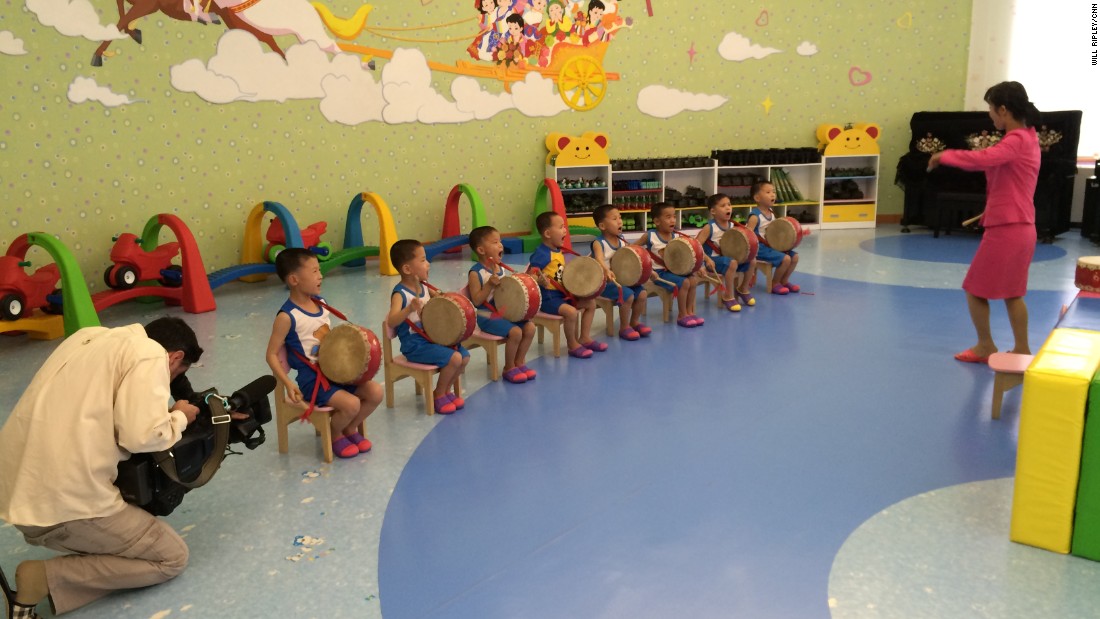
(849,191)
(581,201)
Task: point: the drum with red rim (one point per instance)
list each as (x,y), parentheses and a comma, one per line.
(1087,277)
(784,234)
(739,244)
(683,256)
(349,354)
(448,319)
(631,265)
(518,297)
(584,278)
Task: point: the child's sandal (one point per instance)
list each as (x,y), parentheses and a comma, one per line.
(515,376)
(780,289)
(642,330)
(746,298)
(343,448)
(580,352)
(686,322)
(361,442)
(792,287)
(732,305)
(531,374)
(444,406)
(629,334)
(595,346)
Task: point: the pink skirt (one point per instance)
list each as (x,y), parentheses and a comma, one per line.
(999,268)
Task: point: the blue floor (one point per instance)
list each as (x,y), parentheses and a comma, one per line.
(747,468)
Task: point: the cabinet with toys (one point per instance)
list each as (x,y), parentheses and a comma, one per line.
(849,187)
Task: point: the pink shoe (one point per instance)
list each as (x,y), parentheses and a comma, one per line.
(343,448)
(629,334)
(361,442)
(642,330)
(531,374)
(444,406)
(697,320)
(457,401)
(515,376)
(780,289)
(687,322)
(580,352)
(595,346)
(793,287)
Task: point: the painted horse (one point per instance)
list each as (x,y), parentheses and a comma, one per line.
(264,19)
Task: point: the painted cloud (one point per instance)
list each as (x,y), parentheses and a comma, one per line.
(349,93)
(74,18)
(85,89)
(665,102)
(737,47)
(10,45)
(806,48)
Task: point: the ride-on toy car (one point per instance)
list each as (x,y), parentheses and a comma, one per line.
(21,294)
(311,238)
(132,264)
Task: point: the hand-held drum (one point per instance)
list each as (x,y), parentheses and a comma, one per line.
(518,297)
(784,234)
(1087,277)
(631,265)
(739,244)
(448,318)
(683,256)
(584,278)
(349,354)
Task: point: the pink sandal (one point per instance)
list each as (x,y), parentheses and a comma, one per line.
(531,374)
(515,376)
(792,287)
(580,352)
(343,448)
(629,334)
(780,289)
(642,330)
(595,346)
(444,405)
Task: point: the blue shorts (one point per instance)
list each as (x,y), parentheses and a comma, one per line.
(771,256)
(497,326)
(669,276)
(722,264)
(419,350)
(612,293)
(552,300)
(307,378)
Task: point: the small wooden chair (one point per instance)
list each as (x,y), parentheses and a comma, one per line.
(486,342)
(552,322)
(768,270)
(396,368)
(608,307)
(653,290)
(288,412)
(1008,371)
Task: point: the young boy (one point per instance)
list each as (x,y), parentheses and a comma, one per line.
(735,280)
(300,325)
(664,220)
(547,264)
(484,277)
(406,301)
(610,222)
(763,193)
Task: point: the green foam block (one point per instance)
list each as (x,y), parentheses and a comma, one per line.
(1086,520)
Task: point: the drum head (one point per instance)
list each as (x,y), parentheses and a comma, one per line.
(734,245)
(518,297)
(682,256)
(344,354)
(1087,277)
(781,234)
(448,319)
(583,277)
(627,266)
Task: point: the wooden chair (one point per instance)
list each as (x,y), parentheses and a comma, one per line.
(396,368)
(552,322)
(653,290)
(487,342)
(288,412)
(608,307)
(768,270)
(1008,371)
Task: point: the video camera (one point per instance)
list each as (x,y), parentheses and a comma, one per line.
(156,482)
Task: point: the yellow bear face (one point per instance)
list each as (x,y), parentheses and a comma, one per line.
(861,139)
(589,149)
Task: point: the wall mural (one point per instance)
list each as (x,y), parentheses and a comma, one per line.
(547,56)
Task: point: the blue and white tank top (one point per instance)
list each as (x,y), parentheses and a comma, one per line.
(306,331)
(762,221)
(716,232)
(483,274)
(608,249)
(408,295)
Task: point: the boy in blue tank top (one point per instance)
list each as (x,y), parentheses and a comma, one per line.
(484,277)
(406,301)
(300,325)
(610,222)
(547,264)
(663,216)
(735,279)
(763,193)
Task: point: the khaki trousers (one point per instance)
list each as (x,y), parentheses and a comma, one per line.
(126,550)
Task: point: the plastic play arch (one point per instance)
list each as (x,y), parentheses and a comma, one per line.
(451,225)
(252,248)
(77,309)
(354,249)
(196,295)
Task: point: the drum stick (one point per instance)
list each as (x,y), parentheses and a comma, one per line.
(973,220)
(501,263)
(665,282)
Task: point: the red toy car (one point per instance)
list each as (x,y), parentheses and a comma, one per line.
(132,264)
(21,294)
(311,238)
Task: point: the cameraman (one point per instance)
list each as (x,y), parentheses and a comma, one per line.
(102,395)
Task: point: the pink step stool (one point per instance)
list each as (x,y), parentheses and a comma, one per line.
(1009,371)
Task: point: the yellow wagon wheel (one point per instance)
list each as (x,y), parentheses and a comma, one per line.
(582,83)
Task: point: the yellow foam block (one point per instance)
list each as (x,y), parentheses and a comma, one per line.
(1052,420)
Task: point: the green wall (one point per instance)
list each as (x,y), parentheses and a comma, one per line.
(85,172)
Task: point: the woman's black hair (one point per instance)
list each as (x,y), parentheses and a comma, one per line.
(1013,97)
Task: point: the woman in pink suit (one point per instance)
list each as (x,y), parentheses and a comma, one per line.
(999,268)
